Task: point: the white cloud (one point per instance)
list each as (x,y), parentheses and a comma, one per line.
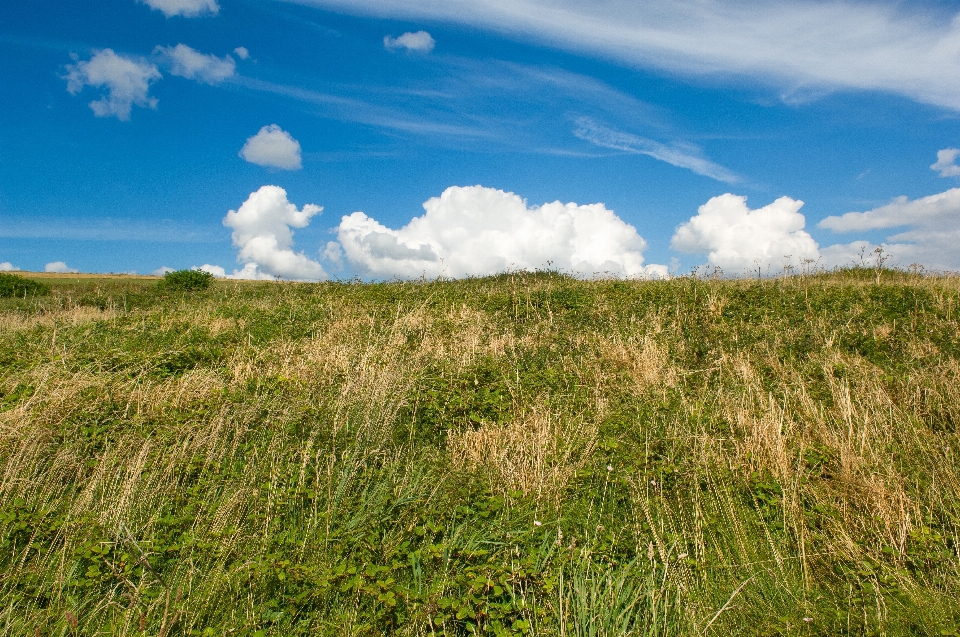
(421,42)
(478,231)
(800,46)
(736,239)
(126,80)
(215,270)
(947,162)
(6,266)
(162,270)
(679,155)
(59,267)
(273,147)
(242,52)
(193,65)
(250,271)
(262,232)
(186,8)
(931,228)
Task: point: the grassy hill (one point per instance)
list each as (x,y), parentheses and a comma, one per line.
(524,454)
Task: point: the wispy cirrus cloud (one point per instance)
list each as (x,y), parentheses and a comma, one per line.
(108,229)
(681,155)
(804,47)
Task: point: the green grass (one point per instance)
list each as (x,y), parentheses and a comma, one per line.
(525,454)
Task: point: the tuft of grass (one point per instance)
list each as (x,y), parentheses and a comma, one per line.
(186,280)
(525,454)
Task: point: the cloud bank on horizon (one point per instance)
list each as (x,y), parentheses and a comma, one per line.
(59,267)
(472,231)
(802,46)
(477,231)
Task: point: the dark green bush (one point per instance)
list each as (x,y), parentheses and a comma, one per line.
(187,280)
(14,285)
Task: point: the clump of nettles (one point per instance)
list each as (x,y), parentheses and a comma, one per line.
(187,280)
(14,285)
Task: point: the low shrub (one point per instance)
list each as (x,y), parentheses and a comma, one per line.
(14,285)
(187,280)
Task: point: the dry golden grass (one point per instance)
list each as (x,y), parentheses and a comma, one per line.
(537,454)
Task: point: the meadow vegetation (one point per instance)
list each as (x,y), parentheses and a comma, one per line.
(14,285)
(525,454)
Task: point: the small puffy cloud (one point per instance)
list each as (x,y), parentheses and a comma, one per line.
(6,266)
(478,231)
(420,42)
(947,162)
(59,267)
(262,230)
(186,8)
(184,61)
(126,80)
(273,147)
(161,271)
(242,52)
(930,229)
(736,239)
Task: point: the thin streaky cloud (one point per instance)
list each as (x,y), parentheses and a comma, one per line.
(358,111)
(803,47)
(107,229)
(679,155)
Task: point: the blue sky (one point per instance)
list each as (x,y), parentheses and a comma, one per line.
(130,129)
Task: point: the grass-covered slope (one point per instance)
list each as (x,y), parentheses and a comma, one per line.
(524,454)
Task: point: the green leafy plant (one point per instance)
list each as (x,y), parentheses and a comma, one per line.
(14,285)
(187,280)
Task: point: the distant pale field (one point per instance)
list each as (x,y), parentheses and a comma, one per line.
(52,277)
(525,454)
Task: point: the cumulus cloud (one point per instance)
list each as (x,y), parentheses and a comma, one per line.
(799,46)
(420,42)
(679,155)
(736,239)
(6,266)
(184,61)
(930,228)
(126,80)
(162,270)
(59,267)
(249,272)
(242,52)
(947,162)
(273,147)
(186,8)
(262,230)
(478,231)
